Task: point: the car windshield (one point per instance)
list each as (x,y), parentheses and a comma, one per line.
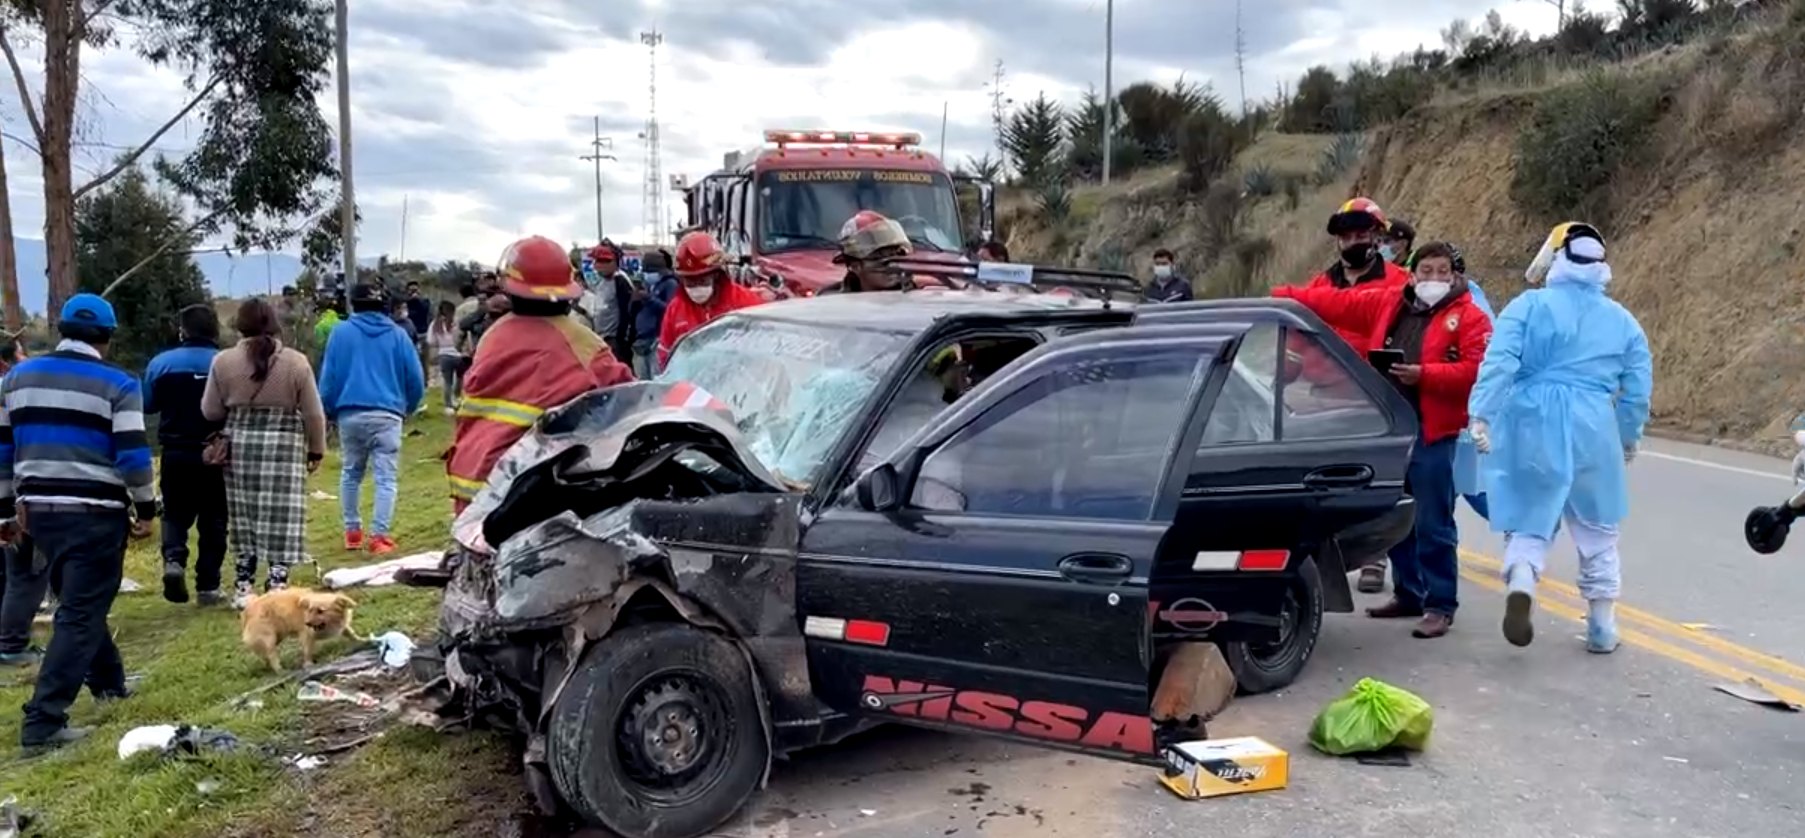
(802,209)
(793,388)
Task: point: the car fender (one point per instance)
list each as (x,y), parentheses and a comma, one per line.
(599,620)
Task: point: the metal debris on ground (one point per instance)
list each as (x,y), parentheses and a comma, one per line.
(1755,692)
(316,691)
(176,740)
(128,585)
(306,762)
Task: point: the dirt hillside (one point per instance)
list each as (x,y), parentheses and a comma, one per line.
(1704,219)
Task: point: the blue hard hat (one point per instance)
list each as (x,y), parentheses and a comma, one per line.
(91,310)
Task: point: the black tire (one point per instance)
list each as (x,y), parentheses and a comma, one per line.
(713,754)
(1264,667)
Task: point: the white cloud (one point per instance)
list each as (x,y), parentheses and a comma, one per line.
(481,134)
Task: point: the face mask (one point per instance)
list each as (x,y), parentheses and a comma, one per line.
(1358,256)
(1162,271)
(1433,291)
(1387,253)
(699,295)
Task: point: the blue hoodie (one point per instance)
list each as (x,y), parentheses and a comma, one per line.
(648,314)
(370,365)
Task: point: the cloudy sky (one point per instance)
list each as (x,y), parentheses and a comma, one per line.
(475,112)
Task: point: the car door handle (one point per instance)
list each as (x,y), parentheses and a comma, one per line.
(1096,568)
(1339,477)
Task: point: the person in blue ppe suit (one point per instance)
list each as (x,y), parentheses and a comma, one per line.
(1559,409)
(1466,455)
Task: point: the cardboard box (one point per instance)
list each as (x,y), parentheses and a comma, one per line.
(1218,767)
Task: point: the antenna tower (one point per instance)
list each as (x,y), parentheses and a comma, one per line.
(653,203)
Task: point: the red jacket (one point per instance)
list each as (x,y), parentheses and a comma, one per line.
(523,367)
(1384,274)
(685,316)
(1453,344)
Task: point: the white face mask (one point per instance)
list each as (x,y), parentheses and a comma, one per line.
(699,295)
(1162,271)
(1433,291)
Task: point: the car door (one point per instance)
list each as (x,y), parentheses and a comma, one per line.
(1299,443)
(1005,589)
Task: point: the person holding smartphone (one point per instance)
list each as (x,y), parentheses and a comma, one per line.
(1428,337)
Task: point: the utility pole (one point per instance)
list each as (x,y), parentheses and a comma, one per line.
(404,228)
(348,211)
(944,106)
(1241,57)
(1560,7)
(1109,89)
(653,200)
(999,112)
(597,156)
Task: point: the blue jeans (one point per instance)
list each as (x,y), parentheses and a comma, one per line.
(1425,566)
(372,439)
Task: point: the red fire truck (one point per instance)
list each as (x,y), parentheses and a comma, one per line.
(778,208)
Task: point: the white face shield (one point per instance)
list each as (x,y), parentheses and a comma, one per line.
(1538,267)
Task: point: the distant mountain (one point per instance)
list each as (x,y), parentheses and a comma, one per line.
(229,275)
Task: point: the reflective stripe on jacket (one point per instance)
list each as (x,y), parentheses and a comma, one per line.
(523,367)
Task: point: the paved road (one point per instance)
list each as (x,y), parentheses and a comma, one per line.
(1547,741)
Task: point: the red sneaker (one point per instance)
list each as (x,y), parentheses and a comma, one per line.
(354,539)
(381,545)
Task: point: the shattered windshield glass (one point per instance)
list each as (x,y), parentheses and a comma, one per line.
(793,388)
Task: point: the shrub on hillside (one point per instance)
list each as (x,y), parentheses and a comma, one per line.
(1341,155)
(1259,182)
(1053,197)
(1576,142)
(1207,145)
(1033,137)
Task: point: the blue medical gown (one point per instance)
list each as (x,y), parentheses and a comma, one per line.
(1466,456)
(1564,388)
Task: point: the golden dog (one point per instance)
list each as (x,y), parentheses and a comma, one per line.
(295,612)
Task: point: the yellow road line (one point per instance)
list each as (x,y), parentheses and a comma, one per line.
(1644,641)
(1764,660)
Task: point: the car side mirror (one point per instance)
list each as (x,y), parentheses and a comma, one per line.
(878,489)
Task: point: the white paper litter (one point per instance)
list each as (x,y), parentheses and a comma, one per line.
(147,738)
(381,573)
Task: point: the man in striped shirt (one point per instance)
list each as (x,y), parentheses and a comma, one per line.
(75,467)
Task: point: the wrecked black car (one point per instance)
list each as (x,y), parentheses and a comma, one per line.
(990,509)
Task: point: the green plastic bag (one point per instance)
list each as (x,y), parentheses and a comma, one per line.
(1372,717)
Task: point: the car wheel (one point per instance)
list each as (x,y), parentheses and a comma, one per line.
(1264,667)
(659,734)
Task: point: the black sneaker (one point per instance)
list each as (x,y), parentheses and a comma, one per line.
(22,658)
(209,599)
(109,696)
(175,582)
(65,736)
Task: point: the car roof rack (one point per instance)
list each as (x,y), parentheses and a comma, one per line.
(990,276)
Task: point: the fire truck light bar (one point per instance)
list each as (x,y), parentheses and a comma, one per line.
(899,139)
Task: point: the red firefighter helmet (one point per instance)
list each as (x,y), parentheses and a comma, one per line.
(698,253)
(867,233)
(537,268)
(1358,215)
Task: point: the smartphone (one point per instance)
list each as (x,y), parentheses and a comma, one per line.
(1384,359)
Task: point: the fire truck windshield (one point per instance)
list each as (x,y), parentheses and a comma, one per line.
(803,209)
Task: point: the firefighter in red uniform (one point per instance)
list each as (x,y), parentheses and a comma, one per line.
(866,240)
(707,292)
(530,360)
(1357,227)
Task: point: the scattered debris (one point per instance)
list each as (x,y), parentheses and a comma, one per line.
(1218,767)
(321,495)
(1390,758)
(1680,760)
(381,573)
(128,585)
(866,813)
(316,691)
(175,740)
(307,762)
(207,786)
(1755,692)
(394,647)
(13,821)
(348,665)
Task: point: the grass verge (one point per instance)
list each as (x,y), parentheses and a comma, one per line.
(409,782)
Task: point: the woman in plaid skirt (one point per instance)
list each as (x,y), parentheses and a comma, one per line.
(276,429)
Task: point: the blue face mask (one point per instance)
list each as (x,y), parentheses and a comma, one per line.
(1387,253)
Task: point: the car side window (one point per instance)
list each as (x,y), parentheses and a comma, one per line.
(1322,400)
(1318,396)
(1085,441)
(1244,412)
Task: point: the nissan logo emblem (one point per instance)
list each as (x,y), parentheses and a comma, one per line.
(1192,615)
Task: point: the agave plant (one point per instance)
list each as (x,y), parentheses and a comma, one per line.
(1340,156)
(1054,199)
(1260,182)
